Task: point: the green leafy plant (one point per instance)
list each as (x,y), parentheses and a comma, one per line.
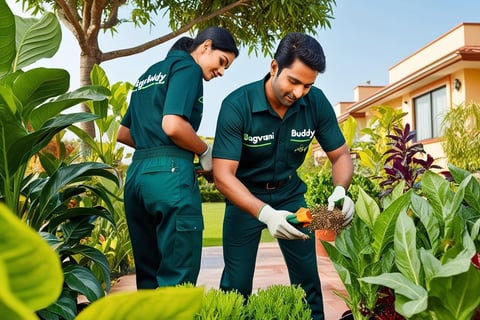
(421,247)
(371,146)
(404,161)
(320,187)
(112,240)
(461,136)
(31,279)
(57,201)
(110,112)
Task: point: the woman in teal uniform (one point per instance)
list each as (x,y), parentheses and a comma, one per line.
(162,197)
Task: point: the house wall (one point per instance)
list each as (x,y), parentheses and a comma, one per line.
(465,35)
(457,97)
(454,55)
(472,85)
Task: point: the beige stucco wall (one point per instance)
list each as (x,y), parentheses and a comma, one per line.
(472,89)
(436,151)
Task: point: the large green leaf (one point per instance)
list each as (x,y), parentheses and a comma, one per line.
(7,38)
(34,271)
(458,294)
(437,191)
(36,39)
(35,86)
(64,214)
(72,173)
(416,296)
(458,174)
(94,255)
(384,228)
(64,308)
(161,304)
(99,77)
(472,192)
(52,108)
(81,279)
(424,212)
(11,128)
(22,149)
(10,306)
(8,101)
(366,208)
(407,260)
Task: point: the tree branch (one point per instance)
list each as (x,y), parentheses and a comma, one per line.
(74,24)
(113,17)
(87,12)
(96,18)
(150,44)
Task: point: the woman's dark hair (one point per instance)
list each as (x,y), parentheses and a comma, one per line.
(297,45)
(221,40)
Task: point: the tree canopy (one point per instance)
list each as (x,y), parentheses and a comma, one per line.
(256,24)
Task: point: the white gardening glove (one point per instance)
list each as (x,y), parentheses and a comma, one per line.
(206,159)
(337,198)
(277,224)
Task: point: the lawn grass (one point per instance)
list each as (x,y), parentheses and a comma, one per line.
(213,218)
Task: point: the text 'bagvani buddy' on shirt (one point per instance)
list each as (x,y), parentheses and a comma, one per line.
(171,86)
(267,147)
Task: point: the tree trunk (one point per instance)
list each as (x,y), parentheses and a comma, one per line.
(87,61)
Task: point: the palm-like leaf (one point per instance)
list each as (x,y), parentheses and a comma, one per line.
(23,148)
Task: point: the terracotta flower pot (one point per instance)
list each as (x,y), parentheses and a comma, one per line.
(326,235)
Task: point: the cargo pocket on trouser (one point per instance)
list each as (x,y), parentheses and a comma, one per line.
(188,241)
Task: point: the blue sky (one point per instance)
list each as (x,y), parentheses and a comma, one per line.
(367,37)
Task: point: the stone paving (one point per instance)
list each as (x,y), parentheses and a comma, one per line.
(270,269)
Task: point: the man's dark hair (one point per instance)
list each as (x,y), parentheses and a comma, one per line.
(297,45)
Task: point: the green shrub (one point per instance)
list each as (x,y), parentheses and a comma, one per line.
(218,304)
(320,187)
(461,136)
(209,192)
(275,302)
(278,302)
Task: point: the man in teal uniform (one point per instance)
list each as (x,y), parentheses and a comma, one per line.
(263,133)
(162,198)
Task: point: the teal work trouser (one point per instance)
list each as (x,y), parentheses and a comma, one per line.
(164,216)
(241,236)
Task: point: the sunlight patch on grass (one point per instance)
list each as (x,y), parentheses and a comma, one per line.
(213,218)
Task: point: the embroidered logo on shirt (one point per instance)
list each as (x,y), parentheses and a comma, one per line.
(305,133)
(301,149)
(150,80)
(256,140)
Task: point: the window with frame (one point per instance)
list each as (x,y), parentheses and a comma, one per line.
(430,109)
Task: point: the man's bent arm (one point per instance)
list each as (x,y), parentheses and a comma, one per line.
(342,166)
(232,188)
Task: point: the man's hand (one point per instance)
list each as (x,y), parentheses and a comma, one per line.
(206,159)
(277,224)
(339,197)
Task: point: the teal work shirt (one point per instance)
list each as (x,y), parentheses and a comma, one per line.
(173,86)
(267,147)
